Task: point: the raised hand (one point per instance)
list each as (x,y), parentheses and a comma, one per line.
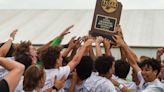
(72,45)
(99,39)
(72,39)
(160,51)
(107,43)
(118,39)
(119,30)
(78,42)
(84,38)
(65,32)
(13,33)
(88,42)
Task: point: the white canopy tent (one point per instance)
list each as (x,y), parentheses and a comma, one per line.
(41,20)
(140,27)
(76,4)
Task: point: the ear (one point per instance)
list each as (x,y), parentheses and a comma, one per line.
(109,73)
(155,72)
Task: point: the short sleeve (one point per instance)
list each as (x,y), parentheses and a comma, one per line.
(4,87)
(64,71)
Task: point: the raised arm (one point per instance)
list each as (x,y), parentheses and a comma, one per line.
(72,44)
(15,72)
(76,59)
(159,53)
(130,55)
(123,55)
(89,51)
(78,44)
(56,41)
(107,46)
(98,48)
(6,47)
(59,38)
(73,82)
(119,32)
(45,46)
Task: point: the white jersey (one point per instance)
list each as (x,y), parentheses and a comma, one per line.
(50,76)
(130,85)
(97,83)
(154,86)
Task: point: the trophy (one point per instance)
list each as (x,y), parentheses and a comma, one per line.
(106,16)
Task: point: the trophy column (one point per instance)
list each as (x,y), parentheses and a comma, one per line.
(106,16)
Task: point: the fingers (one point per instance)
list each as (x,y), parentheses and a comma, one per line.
(13,33)
(89,42)
(72,39)
(67,29)
(85,38)
(15,30)
(160,51)
(79,38)
(114,38)
(99,39)
(66,33)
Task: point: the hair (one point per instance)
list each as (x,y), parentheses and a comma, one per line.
(142,58)
(103,64)
(22,54)
(24,59)
(23,47)
(155,64)
(84,68)
(122,68)
(49,56)
(32,76)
